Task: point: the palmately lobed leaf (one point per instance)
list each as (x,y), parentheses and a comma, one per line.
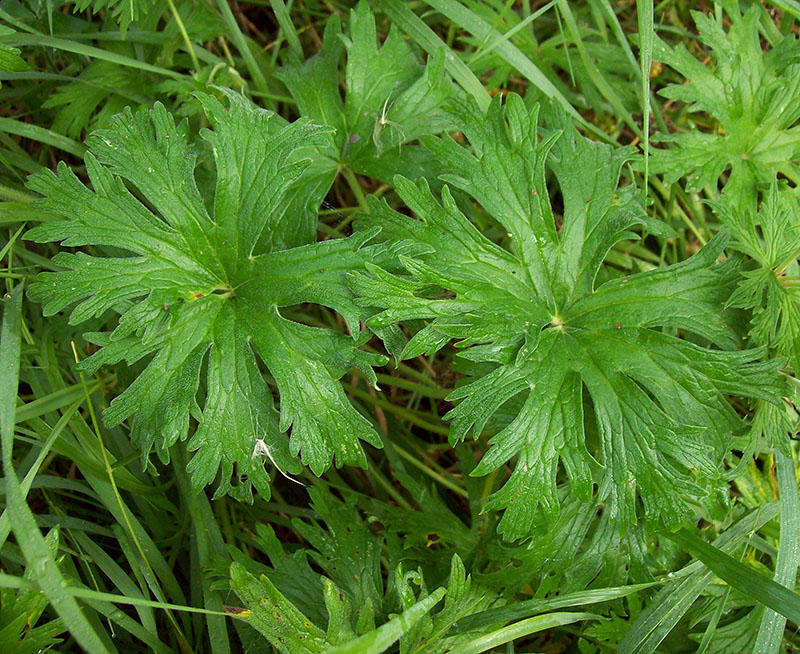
(770,237)
(554,338)
(200,291)
(391,99)
(753,94)
(768,233)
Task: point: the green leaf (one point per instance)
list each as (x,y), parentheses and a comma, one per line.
(770,237)
(346,550)
(101,90)
(281,623)
(124,12)
(291,632)
(10,61)
(752,94)
(390,100)
(555,341)
(196,287)
(383,637)
(463,599)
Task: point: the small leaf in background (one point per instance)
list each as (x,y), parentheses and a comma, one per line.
(391,99)
(754,96)
(10,61)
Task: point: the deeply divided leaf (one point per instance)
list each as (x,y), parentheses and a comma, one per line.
(199,282)
(753,95)
(609,391)
(391,99)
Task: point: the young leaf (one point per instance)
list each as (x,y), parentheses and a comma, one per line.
(770,237)
(124,12)
(348,551)
(380,639)
(194,290)
(463,598)
(101,85)
(290,632)
(391,99)
(554,337)
(754,95)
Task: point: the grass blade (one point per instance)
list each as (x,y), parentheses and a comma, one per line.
(30,540)
(644,10)
(66,45)
(10,581)
(524,628)
(481,30)
(27,482)
(669,605)
(384,636)
(240,42)
(209,544)
(427,39)
(36,133)
(607,11)
(770,634)
(285,23)
(527,608)
(741,577)
(594,74)
(789,6)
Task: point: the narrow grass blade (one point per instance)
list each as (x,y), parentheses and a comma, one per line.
(27,482)
(20,212)
(287,28)
(30,540)
(41,134)
(770,634)
(527,608)
(644,9)
(524,628)
(210,544)
(427,39)
(789,6)
(670,604)
(241,44)
(607,11)
(383,637)
(10,581)
(118,577)
(92,52)
(126,622)
(478,27)
(484,50)
(741,577)
(594,74)
(60,399)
